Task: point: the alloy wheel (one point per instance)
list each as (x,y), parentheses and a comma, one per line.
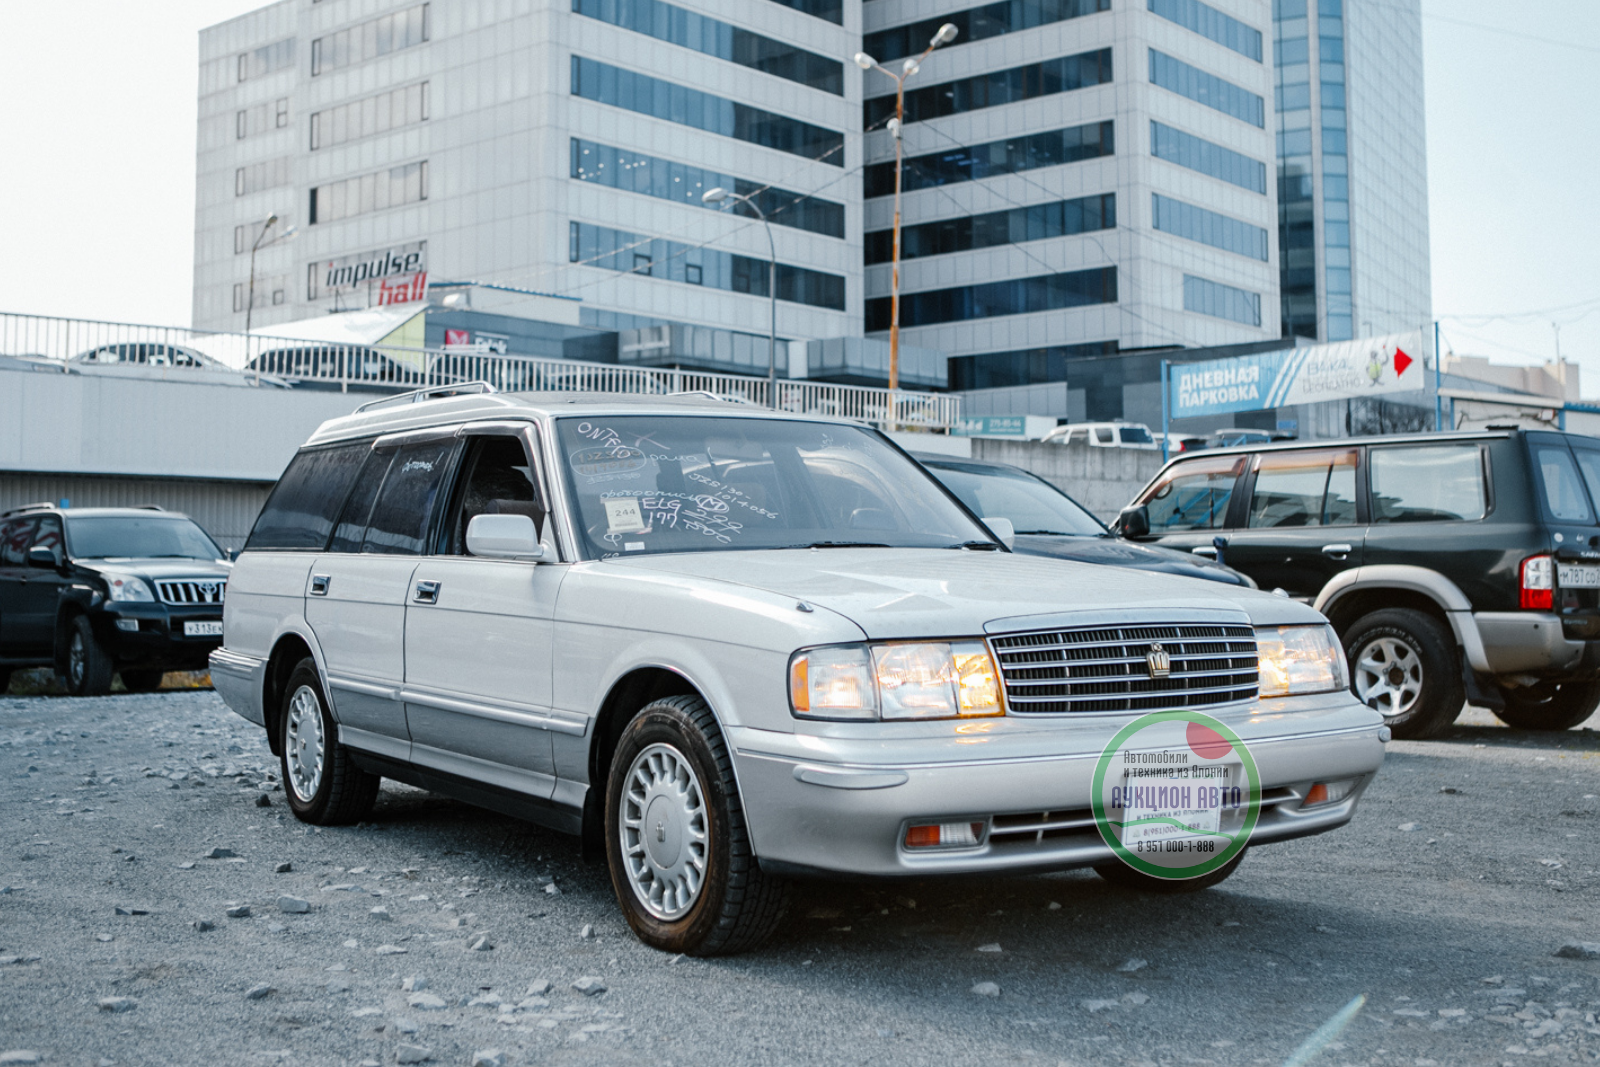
(664,830)
(1388,676)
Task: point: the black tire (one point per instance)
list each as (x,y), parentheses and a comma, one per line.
(1549,705)
(142,681)
(5,681)
(340,792)
(89,669)
(1400,651)
(1123,876)
(736,905)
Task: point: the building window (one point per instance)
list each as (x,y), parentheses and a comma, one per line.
(1208,22)
(268,174)
(1221,301)
(268,291)
(266,59)
(995,88)
(974,162)
(239,290)
(830,10)
(1062,218)
(978,24)
(607,249)
(690,29)
(1019,296)
(241,239)
(684,184)
(370,192)
(606,84)
(1179,77)
(1209,228)
(261,118)
(375,114)
(281,118)
(999,370)
(369,40)
(1187,150)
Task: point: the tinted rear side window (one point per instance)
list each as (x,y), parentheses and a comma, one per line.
(1558,477)
(1427,483)
(15,535)
(405,505)
(301,509)
(352,528)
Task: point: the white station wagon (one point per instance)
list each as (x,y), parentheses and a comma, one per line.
(730,647)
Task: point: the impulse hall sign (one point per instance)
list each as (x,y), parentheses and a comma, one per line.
(1372,366)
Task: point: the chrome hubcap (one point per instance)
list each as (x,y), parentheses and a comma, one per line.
(76,655)
(303,743)
(664,831)
(1388,676)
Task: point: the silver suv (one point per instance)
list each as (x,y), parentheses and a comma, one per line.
(728,646)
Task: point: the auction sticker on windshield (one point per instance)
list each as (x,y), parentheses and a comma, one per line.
(1176,794)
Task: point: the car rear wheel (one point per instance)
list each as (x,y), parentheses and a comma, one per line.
(1404,665)
(142,681)
(321,781)
(677,844)
(1125,877)
(88,666)
(1549,705)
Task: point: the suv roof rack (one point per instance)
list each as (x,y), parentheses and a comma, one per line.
(436,392)
(43,505)
(1502,426)
(148,507)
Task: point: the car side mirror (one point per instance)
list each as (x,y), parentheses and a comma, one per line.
(44,558)
(1003,530)
(1134,521)
(504,537)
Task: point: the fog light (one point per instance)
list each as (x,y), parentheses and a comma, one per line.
(944,835)
(130,625)
(1328,793)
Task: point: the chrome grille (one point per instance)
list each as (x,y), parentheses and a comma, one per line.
(192,590)
(1108,669)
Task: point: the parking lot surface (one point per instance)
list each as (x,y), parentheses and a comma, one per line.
(134,829)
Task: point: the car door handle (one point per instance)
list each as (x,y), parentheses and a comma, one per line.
(1204,550)
(426,593)
(319,585)
(1336,551)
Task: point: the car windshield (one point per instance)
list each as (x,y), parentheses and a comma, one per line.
(138,536)
(1033,506)
(672,483)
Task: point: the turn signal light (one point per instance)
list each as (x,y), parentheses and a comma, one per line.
(1538,583)
(945,835)
(1328,792)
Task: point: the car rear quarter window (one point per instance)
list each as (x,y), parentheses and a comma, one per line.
(405,506)
(300,511)
(1193,495)
(1428,483)
(1562,487)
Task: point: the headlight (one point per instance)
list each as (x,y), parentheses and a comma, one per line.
(1300,659)
(126,587)
(925,680)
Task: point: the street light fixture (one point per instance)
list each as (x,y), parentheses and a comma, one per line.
(945,35)
(250,301)
(719,195)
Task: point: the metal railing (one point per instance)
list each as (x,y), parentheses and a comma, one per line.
(257,359)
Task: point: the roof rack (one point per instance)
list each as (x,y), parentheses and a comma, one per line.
(437,392)
(706,394)
(43,505)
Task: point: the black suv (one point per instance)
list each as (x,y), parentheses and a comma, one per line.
(94,592)
(1455,566)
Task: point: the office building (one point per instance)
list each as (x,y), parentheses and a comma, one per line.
(1352,168)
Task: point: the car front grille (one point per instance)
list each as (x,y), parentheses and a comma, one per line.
(1116,668)
(192,590)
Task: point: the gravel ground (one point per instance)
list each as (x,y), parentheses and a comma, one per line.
(1472,861)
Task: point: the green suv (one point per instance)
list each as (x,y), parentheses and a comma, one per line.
(1455,567)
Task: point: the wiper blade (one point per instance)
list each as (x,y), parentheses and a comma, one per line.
(842,544)
(988,546)
(1050,533)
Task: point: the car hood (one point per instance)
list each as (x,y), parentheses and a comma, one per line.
(159,568)
(908,593)
(1114,552)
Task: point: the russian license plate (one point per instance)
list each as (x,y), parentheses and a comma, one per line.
(203,628)
(1578,576)
(1177,808)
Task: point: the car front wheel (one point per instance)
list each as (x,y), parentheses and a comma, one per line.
(677,845)
(88,667)
(321,781)
(1404,665)
(1549,705)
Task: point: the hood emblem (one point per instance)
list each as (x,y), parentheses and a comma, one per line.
(1158,661)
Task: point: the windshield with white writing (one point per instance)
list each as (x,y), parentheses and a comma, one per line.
(673,483)
(138,537)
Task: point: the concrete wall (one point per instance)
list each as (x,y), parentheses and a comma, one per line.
(1104,480)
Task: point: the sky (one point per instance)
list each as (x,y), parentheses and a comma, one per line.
(97,133)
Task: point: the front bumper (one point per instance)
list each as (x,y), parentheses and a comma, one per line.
(841,804)
(151,635)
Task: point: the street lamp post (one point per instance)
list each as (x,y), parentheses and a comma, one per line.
(720,195)
(945,35)
(250,299)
